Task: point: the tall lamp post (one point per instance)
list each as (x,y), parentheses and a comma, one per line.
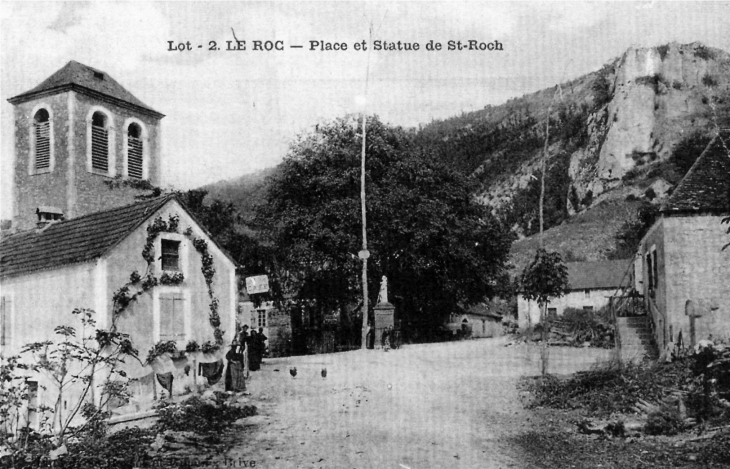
(364,254)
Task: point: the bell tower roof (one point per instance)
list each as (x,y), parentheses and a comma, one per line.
(89,81)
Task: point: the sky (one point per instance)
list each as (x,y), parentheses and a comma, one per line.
(230,113)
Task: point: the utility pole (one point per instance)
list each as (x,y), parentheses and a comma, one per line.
(364,254)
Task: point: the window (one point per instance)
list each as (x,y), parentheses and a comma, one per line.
(552,313)
(650,270)
(656,270)
(135,152)
(170,254)
(99,142)
(587,293)
(42,137)
(5,308)
(172,316)
(261,318)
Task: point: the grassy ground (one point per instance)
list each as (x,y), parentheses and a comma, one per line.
(588,236)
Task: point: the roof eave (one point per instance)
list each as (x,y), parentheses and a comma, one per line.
(43,269)
(21,98)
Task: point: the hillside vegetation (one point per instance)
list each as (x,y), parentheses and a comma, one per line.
(619,137)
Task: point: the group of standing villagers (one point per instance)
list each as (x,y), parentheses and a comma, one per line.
(254,345)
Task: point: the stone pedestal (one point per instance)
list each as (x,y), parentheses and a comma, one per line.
(384,319)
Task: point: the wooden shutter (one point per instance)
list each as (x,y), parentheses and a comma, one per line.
(172,316)
(178,324)
(99,148)
(42,145)
(134,157)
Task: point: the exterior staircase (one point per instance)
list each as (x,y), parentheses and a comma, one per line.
(637,339)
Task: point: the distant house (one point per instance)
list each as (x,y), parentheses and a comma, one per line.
(685,272)
(591,284)
(476,321)
(275,323)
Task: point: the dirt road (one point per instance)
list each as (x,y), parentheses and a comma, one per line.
(437,405)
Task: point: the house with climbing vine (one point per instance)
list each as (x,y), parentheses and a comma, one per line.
(147,270)
(90,233)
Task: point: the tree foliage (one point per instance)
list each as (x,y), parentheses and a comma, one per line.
(426,233)
(688,150)
(544,278)
(632,231)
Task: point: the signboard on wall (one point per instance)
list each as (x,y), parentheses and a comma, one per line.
(257,284)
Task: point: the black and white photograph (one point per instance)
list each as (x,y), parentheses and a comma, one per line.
(364,234)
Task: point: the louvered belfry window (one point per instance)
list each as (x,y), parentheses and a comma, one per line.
(99,142)
(42,132)
(135,152)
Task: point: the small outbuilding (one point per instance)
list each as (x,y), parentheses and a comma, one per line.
(590,287)
(476,321)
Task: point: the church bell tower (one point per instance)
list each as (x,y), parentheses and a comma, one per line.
(83,144)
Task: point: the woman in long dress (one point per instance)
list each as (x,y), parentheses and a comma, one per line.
(235,378)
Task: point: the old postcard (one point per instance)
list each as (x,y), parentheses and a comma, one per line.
(361,234)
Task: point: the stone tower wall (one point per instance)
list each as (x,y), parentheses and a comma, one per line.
(70,184)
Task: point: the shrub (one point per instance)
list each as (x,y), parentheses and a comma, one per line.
(631,174)
(590,326)
(650,80)
(704,53)
(685,153)
(601,87)
(663,51)
(610,388)
(201,416)
(123,450)
(664,421)
(709,81)
(717,449)
(588,199)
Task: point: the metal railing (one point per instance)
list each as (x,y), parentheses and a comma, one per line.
(625,302)
(658,322)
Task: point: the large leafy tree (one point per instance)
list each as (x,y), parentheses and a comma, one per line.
(426,232)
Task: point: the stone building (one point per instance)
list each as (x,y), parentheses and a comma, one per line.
(476,322)
(75,134)
(275,322)
(85,148)
(685,271)
(590,287)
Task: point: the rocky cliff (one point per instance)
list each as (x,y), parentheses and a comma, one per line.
(613,133)
(658,96)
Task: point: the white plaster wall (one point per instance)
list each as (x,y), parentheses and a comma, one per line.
(528,312)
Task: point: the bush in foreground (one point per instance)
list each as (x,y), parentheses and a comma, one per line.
(200,415)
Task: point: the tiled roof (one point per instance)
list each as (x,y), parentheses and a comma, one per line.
(80,77)
(706,187)
(482,310)
(597,274)
(72,241)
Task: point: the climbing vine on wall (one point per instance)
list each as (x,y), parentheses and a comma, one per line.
(124,296)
